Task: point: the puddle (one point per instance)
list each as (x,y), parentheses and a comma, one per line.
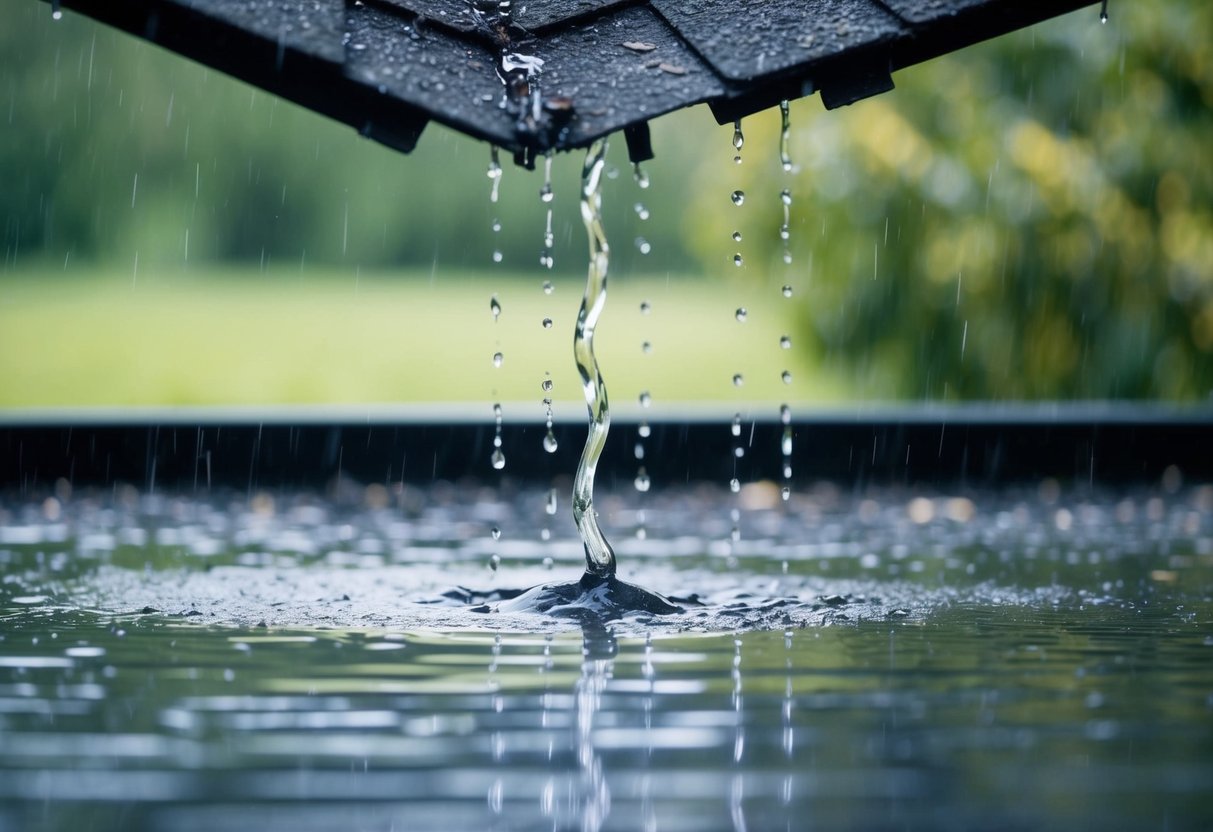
(288,662)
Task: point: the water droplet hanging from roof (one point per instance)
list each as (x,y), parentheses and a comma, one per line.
(642,178)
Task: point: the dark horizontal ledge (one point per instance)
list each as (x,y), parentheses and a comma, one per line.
(1095,444)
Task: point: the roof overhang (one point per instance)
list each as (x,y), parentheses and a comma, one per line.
(533,76)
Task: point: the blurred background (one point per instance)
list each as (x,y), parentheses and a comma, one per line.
(1028,219)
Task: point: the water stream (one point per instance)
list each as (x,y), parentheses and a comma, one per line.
(599,557)
(599,593)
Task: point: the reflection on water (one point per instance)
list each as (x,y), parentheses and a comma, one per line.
(1019,660)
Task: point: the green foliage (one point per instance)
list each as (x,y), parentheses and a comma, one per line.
(1027,218)
(227,337)
(114,147)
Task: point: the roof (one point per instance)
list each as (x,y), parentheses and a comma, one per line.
(533,76)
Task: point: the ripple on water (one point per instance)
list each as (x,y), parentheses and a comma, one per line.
(822,557)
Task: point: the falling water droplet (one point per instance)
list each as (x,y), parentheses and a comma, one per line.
(547,323)
(497,256)
(785,448)
(642,245)
(495,308)
(785,493)
(738,197)
(551,504)
(734,485)
(494,562)
(787,291)
(498,459)
(497,359)
(494,173)
(642,481)
(545,193)
(786,376)
(738,137)
(738,380)
(546,384)
(785,127)
(549,442)
(785,228)
(644,431)
(645,399)
(737,261)
(645,307)
(737,236)
(548,287)
(642,178)
(496,532)
(1103,12)
(646,347)
(56,12)
(741,314)
(785,342)
(549,239)
(736,427)
(641,211)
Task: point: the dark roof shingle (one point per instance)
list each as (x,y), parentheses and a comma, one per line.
(545,75)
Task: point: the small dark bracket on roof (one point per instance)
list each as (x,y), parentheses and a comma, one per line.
(853,81)
(640,142)
(397,132)
(733,107)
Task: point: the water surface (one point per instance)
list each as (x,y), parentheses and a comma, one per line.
(1022,659)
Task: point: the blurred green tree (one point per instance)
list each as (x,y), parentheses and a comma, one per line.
(1027,218)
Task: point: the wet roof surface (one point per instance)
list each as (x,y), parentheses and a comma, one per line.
(534,15)
(542,75)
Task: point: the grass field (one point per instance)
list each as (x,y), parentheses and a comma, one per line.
(232,337)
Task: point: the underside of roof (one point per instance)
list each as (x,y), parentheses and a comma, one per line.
(533,76)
